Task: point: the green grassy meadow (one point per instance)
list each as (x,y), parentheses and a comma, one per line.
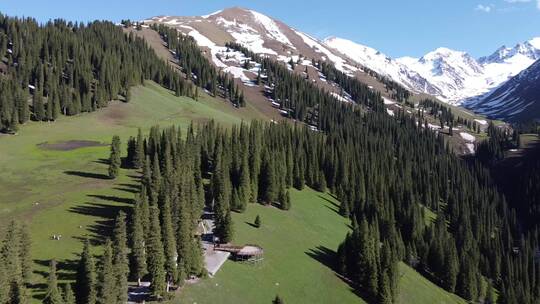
(298,246)
(68,193)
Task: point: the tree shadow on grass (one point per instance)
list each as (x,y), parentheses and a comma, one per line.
(331,202)
(128,190)
(252,225)
(102,161)
(327,257)
(136,187)
(65,271)
(102,228)
(87,174)
(111,198)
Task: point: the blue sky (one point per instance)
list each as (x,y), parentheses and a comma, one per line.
(397,27)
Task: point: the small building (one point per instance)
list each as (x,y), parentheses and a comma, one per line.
(246,253)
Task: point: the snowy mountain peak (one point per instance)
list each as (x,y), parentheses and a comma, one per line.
(381,63)
(535,42)
(529,49)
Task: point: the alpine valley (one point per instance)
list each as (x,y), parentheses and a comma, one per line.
(230,158)
(452,76)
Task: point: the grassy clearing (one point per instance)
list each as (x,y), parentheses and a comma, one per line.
(414,288)
(299,246)
(67,192)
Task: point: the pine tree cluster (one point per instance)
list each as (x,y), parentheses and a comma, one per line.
(16,264)
(65,68)
(197,68)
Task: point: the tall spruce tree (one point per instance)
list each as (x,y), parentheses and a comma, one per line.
(53,295)
(138,242)
(106,282)
(156,258)
(120,258)
(85,284)
(114,159)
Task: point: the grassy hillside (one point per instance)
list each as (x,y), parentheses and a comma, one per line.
(67,192)
(299,246)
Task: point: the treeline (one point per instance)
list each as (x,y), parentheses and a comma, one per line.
(394,168)
(197,68)
(303,100)
(357,89)
(445,115)
(65,68)
(491,150)
(16,264)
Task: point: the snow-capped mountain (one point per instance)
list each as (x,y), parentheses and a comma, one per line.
(529,49)
(453,76)
(259,33)
(460,77)
(382,64)
(516,100)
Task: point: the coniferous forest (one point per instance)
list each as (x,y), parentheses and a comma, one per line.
(65,68)
(387,172)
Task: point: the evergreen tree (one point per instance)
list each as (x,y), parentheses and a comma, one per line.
(68,295)
(114,159)
(156,258)
(169,242)
(120,258)
(227,231)
(138,248)
(278,300)
(257,221)
(106,283)
(138,156)
(85,285)
(37,106)
(53,295)
(385,295)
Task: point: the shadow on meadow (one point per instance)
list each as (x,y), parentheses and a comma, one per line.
(87,174)
(66,271)
(327,257)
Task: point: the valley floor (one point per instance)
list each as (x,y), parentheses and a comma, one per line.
(299,245)
(66,192)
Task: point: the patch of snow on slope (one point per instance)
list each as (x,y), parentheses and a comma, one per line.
(205,42)
(388,101)
(246,36)
(481,121)
(339,63)
(272,28)
(212,14)
(173,22)
(468,137)
(390,112)
(470,146)
(370,58)
(237,72)
(339,97)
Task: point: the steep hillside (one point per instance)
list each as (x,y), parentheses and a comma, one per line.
(299,242)
(517,100)
(302,55)
(262,35)
(383,65)
(450,75)
(459,76)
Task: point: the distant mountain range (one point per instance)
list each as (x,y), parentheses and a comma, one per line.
(452,76)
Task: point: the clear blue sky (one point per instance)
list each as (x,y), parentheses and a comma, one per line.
(397,27)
